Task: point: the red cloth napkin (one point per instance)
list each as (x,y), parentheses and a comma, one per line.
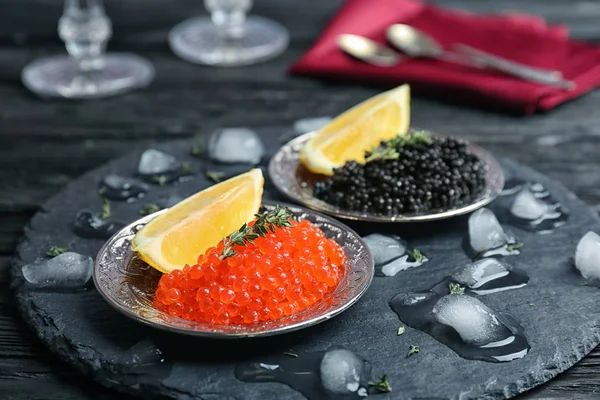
(521,38)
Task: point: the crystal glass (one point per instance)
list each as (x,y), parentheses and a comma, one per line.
(87,71)
(228,37)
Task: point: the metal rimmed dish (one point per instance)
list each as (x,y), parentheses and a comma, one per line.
(296,182)
(128,284)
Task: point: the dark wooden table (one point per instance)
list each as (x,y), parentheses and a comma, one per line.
(44,144)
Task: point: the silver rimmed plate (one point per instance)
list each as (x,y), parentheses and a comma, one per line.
(297,183)
(128,283)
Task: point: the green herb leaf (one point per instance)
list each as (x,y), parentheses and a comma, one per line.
(401,330)
(102,190)
(385,153)
(455,288)
(531,305)
(186,168)
(197,148)
(54,251)
(415,137)
(215,176)
(413,350)
(106,211)
(514,246)
(289,353)
(415,256)
(149,208)
(160,179)
(389,150)
(269,221)
(382,385)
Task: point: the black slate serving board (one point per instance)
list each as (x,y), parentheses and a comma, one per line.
(560,315)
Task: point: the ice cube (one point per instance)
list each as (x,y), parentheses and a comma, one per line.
(485,232)
(385,248)
(537,187)
(528,206)
(537,211)
(400,264)
(90,225)
(235,145)
(587,256)
(480,272)
(476,323)
(66,270)
(115,187)
(144,352)
(155,162)
(490,275)
(342,372)
(306,125)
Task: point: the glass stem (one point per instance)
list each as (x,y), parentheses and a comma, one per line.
(229,17)
(85,29)
(230,24)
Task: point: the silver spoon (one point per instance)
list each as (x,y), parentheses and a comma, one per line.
(369,51)
(418,44)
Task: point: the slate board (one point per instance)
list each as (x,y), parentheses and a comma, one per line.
(562,326)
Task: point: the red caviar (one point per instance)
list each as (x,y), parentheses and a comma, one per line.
(281,274)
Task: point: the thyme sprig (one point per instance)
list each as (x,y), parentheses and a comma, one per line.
(389,150)
(415,255)
(197,148)
(149,208)
(382,385)
(455,288)
(514,246)
(265,223)
(413,350)
(186,167)
(54,251)
(105,212)
(382,153)
(215,176)
(160,179)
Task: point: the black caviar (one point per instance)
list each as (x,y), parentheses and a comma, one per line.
(411,174)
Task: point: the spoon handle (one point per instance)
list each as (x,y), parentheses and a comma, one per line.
(540,75)
(479,59)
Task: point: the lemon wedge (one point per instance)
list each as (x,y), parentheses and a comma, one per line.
(364,126)
(187,229)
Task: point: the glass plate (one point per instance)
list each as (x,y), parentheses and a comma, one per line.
(128,283)
(297,183)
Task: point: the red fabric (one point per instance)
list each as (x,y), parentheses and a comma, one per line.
(522,38)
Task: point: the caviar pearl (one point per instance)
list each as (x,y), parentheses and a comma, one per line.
(442,174)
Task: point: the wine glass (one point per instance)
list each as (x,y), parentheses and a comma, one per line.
(87,71)
(228,37)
